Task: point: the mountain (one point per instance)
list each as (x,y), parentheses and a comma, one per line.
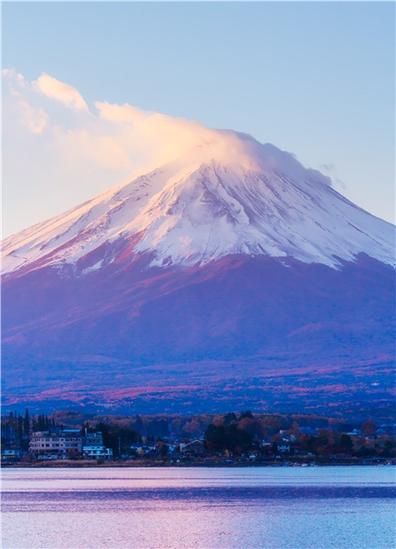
(229,196)
(231,277)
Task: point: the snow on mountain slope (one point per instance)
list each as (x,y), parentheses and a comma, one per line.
(230,195)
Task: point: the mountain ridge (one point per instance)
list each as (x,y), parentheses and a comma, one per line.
(247,198)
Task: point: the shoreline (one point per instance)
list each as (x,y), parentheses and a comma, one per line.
(71,464)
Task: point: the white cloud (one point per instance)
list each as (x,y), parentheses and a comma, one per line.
(119,137)
(17,106)
(156,137)
(34,119)
(60,91)
(80,150)
(95,148)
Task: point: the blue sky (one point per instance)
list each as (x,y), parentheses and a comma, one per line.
(316,79)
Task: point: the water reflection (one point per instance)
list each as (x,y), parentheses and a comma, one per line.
(205,508)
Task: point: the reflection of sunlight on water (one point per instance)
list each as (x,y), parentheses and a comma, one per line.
(199,508)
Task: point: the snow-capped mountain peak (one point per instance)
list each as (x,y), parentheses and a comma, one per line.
(228,195)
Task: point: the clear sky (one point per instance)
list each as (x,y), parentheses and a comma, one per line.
(316,79)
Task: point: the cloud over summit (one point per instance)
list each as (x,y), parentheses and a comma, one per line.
(120,137)
(79,148)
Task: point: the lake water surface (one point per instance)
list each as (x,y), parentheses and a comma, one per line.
(163,508)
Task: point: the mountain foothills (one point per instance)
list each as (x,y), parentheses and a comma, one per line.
(231,277)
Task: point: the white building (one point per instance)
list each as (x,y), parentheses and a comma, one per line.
(97,452)
(67,443)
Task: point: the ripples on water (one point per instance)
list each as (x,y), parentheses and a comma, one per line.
(249,508)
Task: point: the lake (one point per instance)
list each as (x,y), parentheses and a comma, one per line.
(206,508)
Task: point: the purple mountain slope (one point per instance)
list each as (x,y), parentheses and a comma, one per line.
(234,277)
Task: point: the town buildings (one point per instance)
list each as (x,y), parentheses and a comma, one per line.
(267,439)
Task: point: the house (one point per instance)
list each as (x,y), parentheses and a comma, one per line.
(143,450)
(283,448)
(10,454)
(266,448)
(266,444)
(354,433)
(193,448)
(97,451)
